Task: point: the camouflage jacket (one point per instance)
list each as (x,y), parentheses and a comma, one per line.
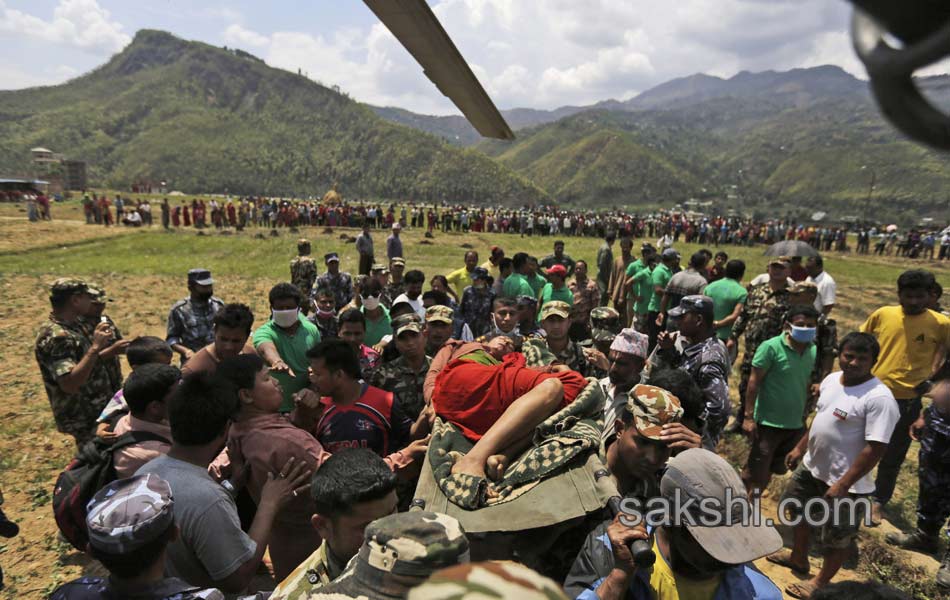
(475,309)
(303,273)
(329,328)
(397,377)
(111,366)
(318,570)
(60,346)
(762,316)
(341,284)
(192,325)
(573,356)
(394,290)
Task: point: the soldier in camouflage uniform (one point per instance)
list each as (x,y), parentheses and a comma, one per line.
(396,287)
(303,269)
(126,519)
(604,327)
(826,340)
(399,552)
(475,307)
(109,359)
(933,473)
(191,320)
(381,275)
(555,320)
(404,376)
(501,579)
(67,358)
(334,279)
(762,317)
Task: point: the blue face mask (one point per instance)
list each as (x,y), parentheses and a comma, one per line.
(804,335)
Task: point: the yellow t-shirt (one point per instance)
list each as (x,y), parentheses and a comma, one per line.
(908,345)
(459,279)
(493,270)
(668,586)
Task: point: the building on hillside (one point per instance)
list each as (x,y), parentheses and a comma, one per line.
(75,174)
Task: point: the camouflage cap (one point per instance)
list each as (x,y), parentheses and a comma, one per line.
(440,313)
(303,243)
(378,267)
(526,300)
(486,580)
(783,261)
(555,307)
(129,513)
(68,285)
(605,324)
(406,322)
(98,293)
(803,287)
(399,552)
(652,408)
(397,260)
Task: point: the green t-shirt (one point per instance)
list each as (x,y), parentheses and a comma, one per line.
(293,351)
(548,294)
(376,330)
(784,389)
(632,269)
(516,285)
(726,294)
(643,287)
(660,277)
(537,283)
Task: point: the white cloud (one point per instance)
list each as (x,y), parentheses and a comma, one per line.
(78,23)
(237,35)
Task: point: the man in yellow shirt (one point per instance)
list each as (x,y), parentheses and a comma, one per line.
(914,342)
(460,279)
(493,264)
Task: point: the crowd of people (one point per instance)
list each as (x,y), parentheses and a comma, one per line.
(305,433)
(668,227)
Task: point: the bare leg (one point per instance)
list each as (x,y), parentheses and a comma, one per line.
(832,562)
(519,419)
(800,545)
(497,463)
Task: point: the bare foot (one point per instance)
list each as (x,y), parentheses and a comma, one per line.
(495,466)
(469,466)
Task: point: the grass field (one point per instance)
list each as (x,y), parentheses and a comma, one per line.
(144,271)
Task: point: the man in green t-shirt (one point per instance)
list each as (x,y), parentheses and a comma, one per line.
(631,290)
(777,395)
(516,285)
(535,279)
(555,288)
(283,341)
(728,298)
(658,279)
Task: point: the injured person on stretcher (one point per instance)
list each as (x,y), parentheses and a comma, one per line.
(489,393)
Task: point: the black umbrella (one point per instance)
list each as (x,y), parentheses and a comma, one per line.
(790,248)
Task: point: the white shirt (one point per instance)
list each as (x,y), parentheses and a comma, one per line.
(415,304)
(826,290)
(847,418)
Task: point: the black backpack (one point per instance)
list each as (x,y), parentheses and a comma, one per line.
(89,472)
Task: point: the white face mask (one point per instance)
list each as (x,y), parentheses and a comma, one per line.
(285,318)
(370,302)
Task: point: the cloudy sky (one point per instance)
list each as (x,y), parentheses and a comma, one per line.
(534,53)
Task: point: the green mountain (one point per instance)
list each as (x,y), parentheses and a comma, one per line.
(207,119)
(770,143)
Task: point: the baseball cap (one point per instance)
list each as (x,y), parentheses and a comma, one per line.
(407,322)
(129,513)
(200,277)
(331,256)
(397,260)
(555,307)
(489,579)
(378,267)
(652,408)
(440,312)
(68,285)
(694,303)
(699,474)
(784,261)
(399,552)
(631,341)
(480,273)
(670,253)
(558,270)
